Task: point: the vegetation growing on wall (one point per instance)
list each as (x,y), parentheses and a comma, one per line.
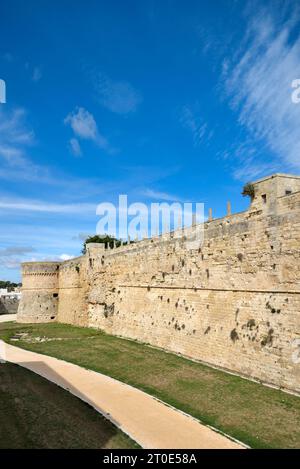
(108,240)
(104,239)
(248,191)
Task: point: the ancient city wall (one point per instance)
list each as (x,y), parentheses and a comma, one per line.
(233,302)
(73,285)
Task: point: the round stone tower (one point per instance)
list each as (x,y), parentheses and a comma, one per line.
(39,300)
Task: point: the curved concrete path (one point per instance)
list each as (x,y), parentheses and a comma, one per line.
(145,419)
(8,317)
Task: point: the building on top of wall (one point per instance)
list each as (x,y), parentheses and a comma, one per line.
(270,188)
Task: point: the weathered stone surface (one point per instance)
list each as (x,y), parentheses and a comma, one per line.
(9,304)
(40,292)
(233,302)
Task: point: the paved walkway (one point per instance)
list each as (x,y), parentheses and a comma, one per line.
(149,422)
(8,317)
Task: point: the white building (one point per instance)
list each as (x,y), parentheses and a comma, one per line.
(9,294)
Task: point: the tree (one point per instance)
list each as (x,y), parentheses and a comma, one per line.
(249,191)
(9,285)
(104,239)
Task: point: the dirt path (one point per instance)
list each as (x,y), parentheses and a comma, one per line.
(148,421)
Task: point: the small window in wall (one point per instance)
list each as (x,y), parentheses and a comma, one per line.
(55,295)
(288,192)
(264,198)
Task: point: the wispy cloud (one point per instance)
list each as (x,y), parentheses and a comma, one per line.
(75,147)
(119,97)
(37,74)
(85,127)
(45,238)
(38,241)
(13,129)
(12,256)
(248,161)
(10,262)
(14,138)
(8,57)
(46,207)
(81,236)
(163,196)
(258,84)
(251,168)
(16,250)
(191,121)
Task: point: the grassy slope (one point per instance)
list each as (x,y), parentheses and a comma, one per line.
(35,413)
(257,415)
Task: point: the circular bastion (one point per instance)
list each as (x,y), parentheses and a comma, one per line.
(40,290)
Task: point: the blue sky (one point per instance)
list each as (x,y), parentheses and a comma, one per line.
(160,100)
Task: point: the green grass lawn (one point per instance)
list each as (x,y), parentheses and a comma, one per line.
(35,413)
(257,415)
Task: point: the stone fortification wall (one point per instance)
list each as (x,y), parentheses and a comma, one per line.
(233,301)
(40,293)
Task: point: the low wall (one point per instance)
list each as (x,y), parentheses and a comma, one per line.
(9,304)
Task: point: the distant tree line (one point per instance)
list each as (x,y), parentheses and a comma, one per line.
(9,285)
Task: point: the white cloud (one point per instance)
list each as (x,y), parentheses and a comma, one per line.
(75,147)
(65,257)
(85,127)
(82,123)
(118,96)
(258,83)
